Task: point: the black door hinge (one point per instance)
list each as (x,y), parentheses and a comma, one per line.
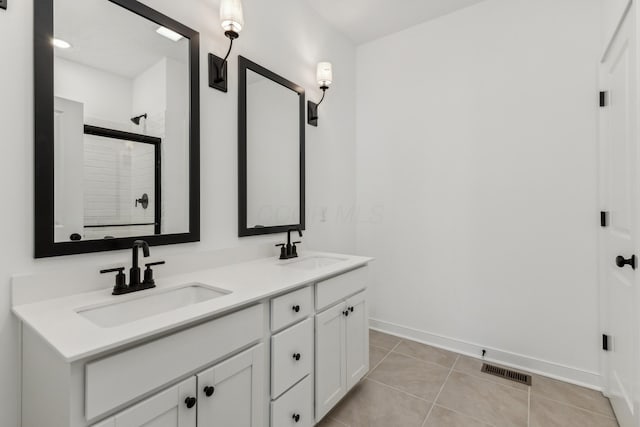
(604,219)
(603,98)
(605,342)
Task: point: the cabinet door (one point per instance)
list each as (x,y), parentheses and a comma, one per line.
(232,393)
(357,339)
(330,359)
(165,409)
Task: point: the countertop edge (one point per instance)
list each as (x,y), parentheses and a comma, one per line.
(357,262)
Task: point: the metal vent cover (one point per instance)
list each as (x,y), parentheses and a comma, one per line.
(508,374)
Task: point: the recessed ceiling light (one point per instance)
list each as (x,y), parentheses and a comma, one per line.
(171,35)
(61,44)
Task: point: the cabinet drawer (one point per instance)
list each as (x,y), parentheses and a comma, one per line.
(296,404)
(291,356)
(117,380)
(340,287)
(290,308)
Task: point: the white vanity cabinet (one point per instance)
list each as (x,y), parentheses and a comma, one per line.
(283,358)
(342,338)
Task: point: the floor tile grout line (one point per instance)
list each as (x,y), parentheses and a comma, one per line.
(399,390)
(440,391)
(426,361)
(381,360)
(338,421)
(538,396)
(455,411)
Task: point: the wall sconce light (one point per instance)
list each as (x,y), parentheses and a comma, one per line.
(232,21)
(324,75)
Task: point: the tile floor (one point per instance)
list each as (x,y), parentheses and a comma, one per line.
(414,385)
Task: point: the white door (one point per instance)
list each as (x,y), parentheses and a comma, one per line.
(174,407)
(357,339)
(619,239)
(330,373)
(232,393)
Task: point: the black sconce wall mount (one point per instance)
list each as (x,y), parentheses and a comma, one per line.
(325,78)
(232,20)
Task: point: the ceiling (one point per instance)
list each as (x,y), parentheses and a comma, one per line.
(366,20)
(108,37)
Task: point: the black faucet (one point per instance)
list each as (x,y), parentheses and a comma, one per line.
(134,273)
(289,250)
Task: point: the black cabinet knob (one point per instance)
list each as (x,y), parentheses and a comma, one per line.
(296,308)
(622,262)
(296,356)
(346,313)
(296,417)
(208,390)
(190,402)
(351,309)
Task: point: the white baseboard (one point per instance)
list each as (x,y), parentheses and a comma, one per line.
(557,371)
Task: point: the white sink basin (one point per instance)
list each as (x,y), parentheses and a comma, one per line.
(119,313)
(313,262)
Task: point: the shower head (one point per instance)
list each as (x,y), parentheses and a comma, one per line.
(136,120)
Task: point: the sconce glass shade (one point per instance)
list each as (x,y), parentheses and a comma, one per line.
(325,74)
(231,16)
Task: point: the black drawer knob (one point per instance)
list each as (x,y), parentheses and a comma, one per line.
(296,356)
(296,417)
(346,313)
(190,402)
(351,309)
(208,390)
(621,261)
(296,308)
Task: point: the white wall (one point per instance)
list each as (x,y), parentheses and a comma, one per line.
(106,96)
(476,153)
(291,50)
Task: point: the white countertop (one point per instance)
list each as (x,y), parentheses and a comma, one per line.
(74,337)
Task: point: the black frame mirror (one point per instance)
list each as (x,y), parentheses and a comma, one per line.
(245,64)
(45,245)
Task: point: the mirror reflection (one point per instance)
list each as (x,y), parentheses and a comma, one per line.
(273,153)
(121,120)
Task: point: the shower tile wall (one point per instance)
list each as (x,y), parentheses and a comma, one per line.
(113,177)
